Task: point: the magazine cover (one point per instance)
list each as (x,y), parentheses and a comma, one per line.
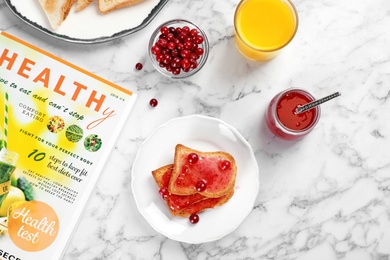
(58,125)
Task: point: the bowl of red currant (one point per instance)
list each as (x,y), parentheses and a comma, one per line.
(178,48)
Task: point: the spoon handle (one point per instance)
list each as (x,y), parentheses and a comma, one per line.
(301,109)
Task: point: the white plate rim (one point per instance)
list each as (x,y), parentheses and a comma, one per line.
(244,213)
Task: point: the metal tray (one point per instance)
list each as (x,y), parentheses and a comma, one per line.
(89,26)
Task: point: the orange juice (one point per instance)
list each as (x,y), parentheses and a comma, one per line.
(264,27)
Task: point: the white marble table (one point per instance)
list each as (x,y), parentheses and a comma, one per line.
(325,197)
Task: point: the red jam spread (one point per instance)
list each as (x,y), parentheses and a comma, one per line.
(286,111)
(177,202)
(215,172)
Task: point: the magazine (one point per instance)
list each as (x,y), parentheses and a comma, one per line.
(58,125)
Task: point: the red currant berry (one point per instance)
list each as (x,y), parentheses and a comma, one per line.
(192,158)
(159,57)
(162,42)
(224,165)
(192,61)
(164,51)
(164,192)
(194,32)
(194,65)
(175,53)
(185,54)
(199,51)
(188,45)
(182,37)
(178,31)
(185,64)
(167,59)
(169,68)
(153,102)
(194,218)
(199,39)
(164,30)
(171,45)
(170,37)
(176,62)
(180,46)
(156,50)
(138,66)
(176,71)
(176,40)
(200,186)
(194,47)
(188,39)
(185,30)
(193,56)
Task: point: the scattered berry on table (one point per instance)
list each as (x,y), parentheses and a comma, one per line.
(138,66)
(153,102)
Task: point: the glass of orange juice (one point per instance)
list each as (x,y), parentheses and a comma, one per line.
(264,27)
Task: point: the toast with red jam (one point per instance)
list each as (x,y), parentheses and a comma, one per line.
(185,205)
(211,174)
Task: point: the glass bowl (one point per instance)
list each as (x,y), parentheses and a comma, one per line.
(170,45)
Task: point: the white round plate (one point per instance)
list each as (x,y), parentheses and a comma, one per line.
(204,134)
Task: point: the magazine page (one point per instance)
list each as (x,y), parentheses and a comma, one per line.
(58,124)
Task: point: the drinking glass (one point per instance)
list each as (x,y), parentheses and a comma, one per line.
(264,27)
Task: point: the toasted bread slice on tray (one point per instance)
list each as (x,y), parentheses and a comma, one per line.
(81,4)
(217,170)
(106,6)
(56,10)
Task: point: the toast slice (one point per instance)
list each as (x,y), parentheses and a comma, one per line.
(217,170)
(81,4)
(162,175)
(106,6)
(56,10)
(185,205)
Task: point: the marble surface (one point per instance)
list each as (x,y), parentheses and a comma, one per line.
(324,197)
